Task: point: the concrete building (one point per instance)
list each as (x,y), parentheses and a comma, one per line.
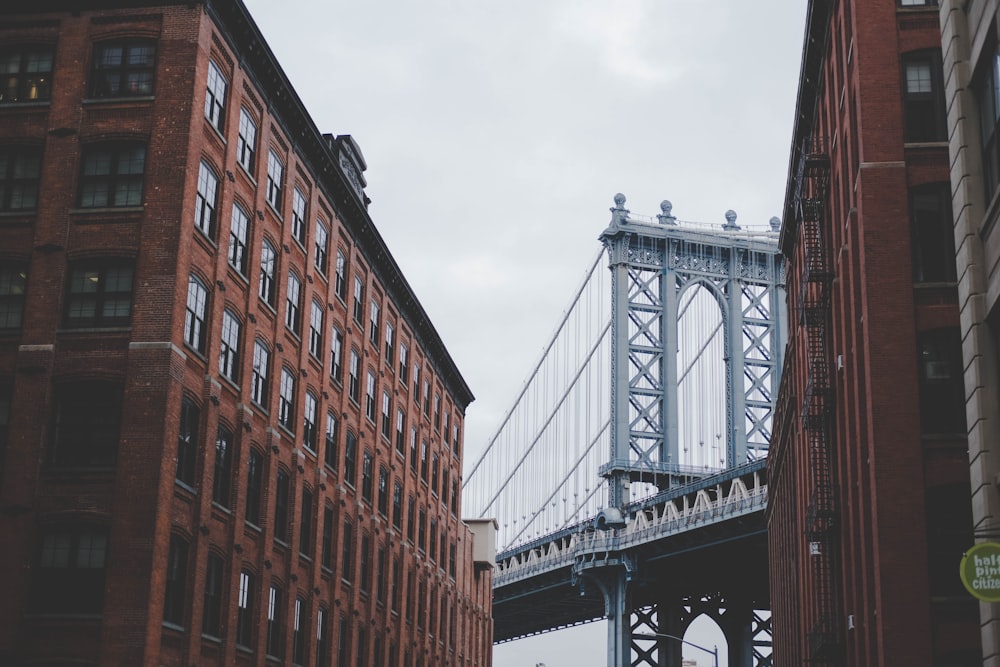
(869,510)
(972,86)
(229,433)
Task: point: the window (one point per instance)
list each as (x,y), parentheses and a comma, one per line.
(246,142)
(229,353)
(347,555)
(340,283)
(413,449)
(933,236)
(13,283)
(305,523)
(123,68)
(390,334)
(20,171)
(326,551)
(432,547)
(244,610)
(274,614)
(381,577)
(435,466)
(451,561)
(222,478)
(410,516)
(194,317)
(309,428)
(281,507)
(397,505)
(187,441)
(924,97)
(87,422)
(342,643)
(206,200)
(455,439)
(427,398)
(100,294)
(215,97)
(437,411)
(331,454)
(293,310)
(337,355)
(416,383)
(366,563)
(400,430)
(362,655)
(454,497)
(423,460)
(316,330)
(918,3)
(299,217)
(351,459)
(176,581)
(320,258)
(444,487)
(367,476)
(5,398)
(299,622)
(259,381)
(322,638)
(942,388)
(370,397)
(359,299)
(286,400)
(268,259)
(422,530)
(212,607)
(386,415)
(255,483)
(26,74)
(354,380)
(274,184)
(69,570)
(403,363)
(374,325)
(383,491)
(396,584)
(111,175)
(239,231)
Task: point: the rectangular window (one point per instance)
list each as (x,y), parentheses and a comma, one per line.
(359,299)
(215,97)
(100,294)
(323,638)
(427,398)
(383,491)
(403,363)
(194,317)
(381,576)
(286,400)
(293,304)
(305,524)
(410,519)
(239,232)
(87,423)
(366,563)
(68,577)
(299,622)
(223,475)
(281,507)
(340,283)
(25,74)
(354,379)
(396,583)
(187,441)
(423,460)
(370,397)
(259,382)
(275,170)
(275,612)
(367,476)
(326,552)
(123,68)
(924,96)
(374,324)
(20,172)
(316,330)
(437,411)
(342,643)
(351,459)
(244,610)
(229,351)
(337,355)
(211,618)
(176,581)
(246,143)
(413,448)
(422,530)
(320,257)
(309,427)
(268,260)
(111,175)
(400,430)
(255,483)
(299,217)
(931,227)
(347,554)
(941,388)
(390,334)
(386,415)
(397,505)
(435,466)
(331,454)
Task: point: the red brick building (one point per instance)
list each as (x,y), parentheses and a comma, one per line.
(229,433)
(870,507)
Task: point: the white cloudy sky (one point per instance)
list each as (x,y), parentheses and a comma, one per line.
(497,133)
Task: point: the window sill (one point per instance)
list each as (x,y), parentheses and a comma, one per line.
(107,214)
(66,330)
(918,145)
(187,488)
(246,174)
(167,625)
(122,99)
(250,525)
(212,638)
(30,104)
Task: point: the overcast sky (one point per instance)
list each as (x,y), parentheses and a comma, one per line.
(497,133)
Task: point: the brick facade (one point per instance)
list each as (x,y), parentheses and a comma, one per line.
(869,507)
(143,435)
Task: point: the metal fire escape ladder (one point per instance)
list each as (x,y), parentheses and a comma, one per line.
(817,403)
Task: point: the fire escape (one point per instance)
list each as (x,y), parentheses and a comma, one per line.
(817,403)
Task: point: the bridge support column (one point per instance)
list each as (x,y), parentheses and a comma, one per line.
(737,627)
(671,616)
(613,581)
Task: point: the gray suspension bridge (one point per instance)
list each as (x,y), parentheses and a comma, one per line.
(629,478)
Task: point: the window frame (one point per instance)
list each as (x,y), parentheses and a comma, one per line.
(101,87)
(25,80)
(246,142)
(13,294)
(216,87)
(239,240)
(275,184)
(20,177)
(115,188)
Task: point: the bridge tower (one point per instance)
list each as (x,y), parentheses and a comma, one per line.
(698,330)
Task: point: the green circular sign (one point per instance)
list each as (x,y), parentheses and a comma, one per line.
(980,571)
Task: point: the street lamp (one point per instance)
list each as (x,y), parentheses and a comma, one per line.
(654,636)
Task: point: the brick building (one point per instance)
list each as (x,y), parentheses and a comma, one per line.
(229,433)
(869,510)
(972,72)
